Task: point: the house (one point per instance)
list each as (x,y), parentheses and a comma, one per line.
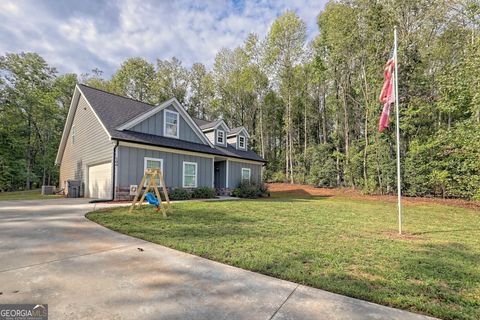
(109,140)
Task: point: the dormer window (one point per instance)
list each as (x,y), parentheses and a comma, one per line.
(220,137)
(241,142)
(170,124)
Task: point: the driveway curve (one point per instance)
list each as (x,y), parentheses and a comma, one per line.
(50,253)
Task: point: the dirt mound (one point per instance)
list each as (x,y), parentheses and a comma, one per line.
(298,189)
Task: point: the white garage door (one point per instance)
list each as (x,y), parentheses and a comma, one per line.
(100,181)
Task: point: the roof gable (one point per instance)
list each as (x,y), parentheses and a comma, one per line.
(214,125)
(152,112)
(77,94)
(237,131)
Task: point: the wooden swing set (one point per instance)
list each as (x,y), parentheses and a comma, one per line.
(152,175)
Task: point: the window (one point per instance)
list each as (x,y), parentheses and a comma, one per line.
(220,137)
(246,173)
(170,124)
(189,174)
(73,134)
(241,142)
(152,163)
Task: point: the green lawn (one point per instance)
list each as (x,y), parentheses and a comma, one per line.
(333,243)
(25,195)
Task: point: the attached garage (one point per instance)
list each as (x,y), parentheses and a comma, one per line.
(100,181)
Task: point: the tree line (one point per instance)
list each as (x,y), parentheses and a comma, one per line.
(311,107)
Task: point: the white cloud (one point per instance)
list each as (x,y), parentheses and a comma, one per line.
(81,40)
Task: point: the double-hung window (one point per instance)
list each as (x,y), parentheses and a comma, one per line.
(220,137)
(153,163)
(246,174)
(189,174)
(241,142)
(171,124)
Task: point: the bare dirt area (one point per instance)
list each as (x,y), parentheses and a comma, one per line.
(298,189)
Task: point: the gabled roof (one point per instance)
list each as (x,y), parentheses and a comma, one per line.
(214,125)
(180,109)
(237,130)
(116,112)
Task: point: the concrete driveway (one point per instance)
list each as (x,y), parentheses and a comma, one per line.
(50,253)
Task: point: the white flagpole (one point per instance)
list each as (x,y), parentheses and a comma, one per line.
(397,118)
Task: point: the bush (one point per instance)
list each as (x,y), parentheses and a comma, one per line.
(446,164)
(203,193)
(250,190)
(278,176)
(179,194)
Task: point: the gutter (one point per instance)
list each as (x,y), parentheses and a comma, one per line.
(184,149)
(113,178)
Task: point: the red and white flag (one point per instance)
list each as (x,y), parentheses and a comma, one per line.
(387,96)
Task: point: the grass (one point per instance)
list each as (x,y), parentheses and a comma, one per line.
(335,243)
(35,194)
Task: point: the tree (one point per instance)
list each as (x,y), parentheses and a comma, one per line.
(171,80)
(28,107)
(285,43)
(201,91)
(135,79)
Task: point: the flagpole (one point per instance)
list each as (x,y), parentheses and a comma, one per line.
(397,118)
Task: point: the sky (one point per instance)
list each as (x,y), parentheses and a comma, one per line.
(78,36)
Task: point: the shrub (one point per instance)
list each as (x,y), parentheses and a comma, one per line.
(203,193)
(278,176)
(179,194)
(250,190)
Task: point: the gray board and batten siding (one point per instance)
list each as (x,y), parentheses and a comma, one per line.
(131,167)
(154,125)
(235,173)
(92,145)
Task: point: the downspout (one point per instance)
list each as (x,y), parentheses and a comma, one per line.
(113,177)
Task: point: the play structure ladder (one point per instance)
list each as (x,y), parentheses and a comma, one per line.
(152,174)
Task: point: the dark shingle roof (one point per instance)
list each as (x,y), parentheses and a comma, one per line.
(200,122)
(114,110)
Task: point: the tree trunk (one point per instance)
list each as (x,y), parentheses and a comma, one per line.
(324,116)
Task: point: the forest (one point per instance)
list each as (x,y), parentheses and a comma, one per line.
(311,107)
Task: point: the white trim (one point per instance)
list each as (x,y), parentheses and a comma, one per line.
(171,102)
(223,137)
(249,174)
(220,122)
(245,161)
(244,142)
(96,115)
(183,174)
(68,124)
(226,182)
(165,112)
(169,150)
(145,159)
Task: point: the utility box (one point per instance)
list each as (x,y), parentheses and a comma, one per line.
(48,190)
(73,188)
